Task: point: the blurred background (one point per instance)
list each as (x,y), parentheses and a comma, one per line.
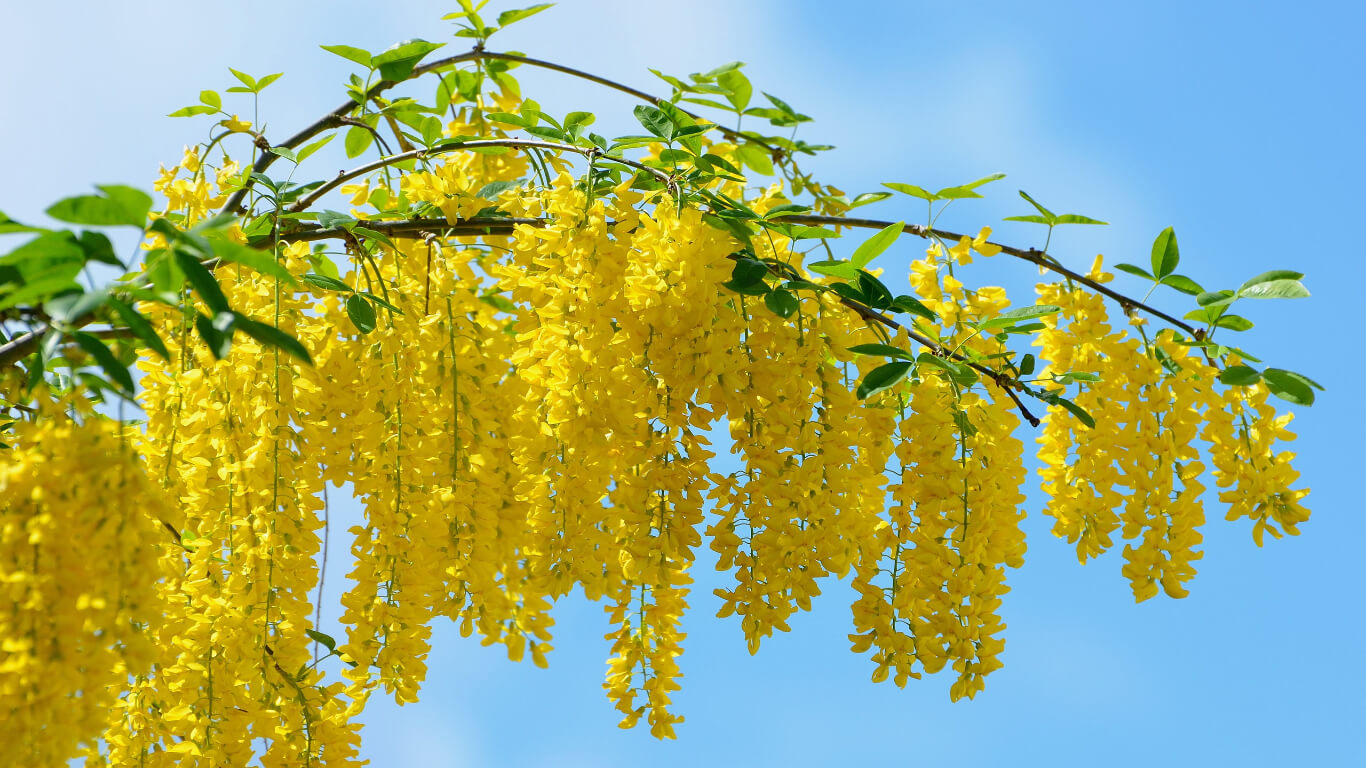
(1237,123)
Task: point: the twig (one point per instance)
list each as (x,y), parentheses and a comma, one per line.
(335,118)
(1030,255)
(418,154)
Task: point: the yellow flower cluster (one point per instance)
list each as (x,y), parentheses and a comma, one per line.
(79,542)
(531,414)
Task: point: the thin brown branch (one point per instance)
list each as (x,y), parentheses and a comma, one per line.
(418,154)
(1030,255)
(335,118)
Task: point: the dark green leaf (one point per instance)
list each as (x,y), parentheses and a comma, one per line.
(205,284)
(1165,254)
(1135,270)
(1026,365)
(219,342)
(325,641)
(227,250)
(1240,376)
(655,121)
(327,283)
(140,327)
(1183,284)
(1289,386)
(1076,410)
(781,302)
(913,306)
(329,219)
(493,189)
(397,62)
(881,350)
(116,371)
(361,312)
(270,336)
(1233,323)
(961,374)
(1014,316)
(98,248)
(882,378)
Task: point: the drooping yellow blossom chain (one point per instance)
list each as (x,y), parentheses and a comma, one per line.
(522,414)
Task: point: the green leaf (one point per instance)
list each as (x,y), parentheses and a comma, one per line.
(781,302)
(955,193)
(1165,254)
(1240,376)
(284,152)
(358,55)
(211,99)
(961,374)
(120,206)
(1030,219)
(330,219)
(737,87)
(841,269)
(1011,317)
(1289,386)
(910,189)
(309,149)
(267,80)
(1047,214)
(1026,365)
(756,157)
(264,262)
(1275,289)
(882,378)
(1076,410)
(140,327)
(493,189)
(116,371)
(205,284)
(881,350)
(69,308)
(216,334)
(1215,298)
(983,180)
(1267,277)
(867,198)
(397,62)
(508,17)
(8,226)
(1072,218)
(381,302)
(1135,270)
(270,336)
(913,306)
(191,111)
(655,121)
(361,312)
(97,247)
(327,283)
(1233,323)
(1183,284)
(325,641)
(875,245)
(247,80)
(358,140)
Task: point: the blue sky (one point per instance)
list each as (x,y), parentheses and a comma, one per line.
(1237,123)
